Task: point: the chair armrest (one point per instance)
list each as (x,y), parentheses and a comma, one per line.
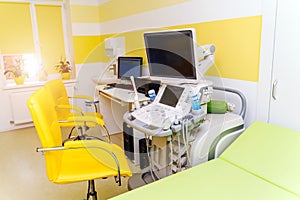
(89,120)
(70,107)
(42,150)
(78,144)
(82,97)
(87,144)
(85,97)
(92,119)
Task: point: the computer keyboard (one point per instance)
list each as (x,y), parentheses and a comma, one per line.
(124,86)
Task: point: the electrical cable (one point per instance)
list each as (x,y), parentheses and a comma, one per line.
(179,154)
(171,155)
(150,160)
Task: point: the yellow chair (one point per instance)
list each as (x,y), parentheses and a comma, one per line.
(80,160)
(66,113)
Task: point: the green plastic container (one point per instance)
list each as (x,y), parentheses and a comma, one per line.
(217,107)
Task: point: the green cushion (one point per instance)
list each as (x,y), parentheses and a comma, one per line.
(214,180)
(270,152)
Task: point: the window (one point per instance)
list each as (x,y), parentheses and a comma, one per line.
(35,29)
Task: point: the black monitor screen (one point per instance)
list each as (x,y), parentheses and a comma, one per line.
(129,66)
(171,95)
(171,54)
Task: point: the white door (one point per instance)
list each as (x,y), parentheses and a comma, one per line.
(285,97)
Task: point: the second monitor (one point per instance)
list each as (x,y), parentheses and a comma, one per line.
(129,66)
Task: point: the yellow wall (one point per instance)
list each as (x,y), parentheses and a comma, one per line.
(80,13)
(238,46)
(237,40)
(119,8)
(89,49)
(85,46)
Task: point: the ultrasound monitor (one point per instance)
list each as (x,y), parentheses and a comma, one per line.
(129,66)
(172,55)
(171,95)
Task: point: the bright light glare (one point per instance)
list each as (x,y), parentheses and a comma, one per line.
(30,65)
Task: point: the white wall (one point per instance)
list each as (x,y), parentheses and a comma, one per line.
(87,74)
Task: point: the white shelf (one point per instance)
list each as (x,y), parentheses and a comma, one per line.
(31,84)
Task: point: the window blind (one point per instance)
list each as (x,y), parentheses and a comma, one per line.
(51,35)
(16,35)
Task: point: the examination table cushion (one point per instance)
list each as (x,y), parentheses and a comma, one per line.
(214,180)
(270,152)
(263,163)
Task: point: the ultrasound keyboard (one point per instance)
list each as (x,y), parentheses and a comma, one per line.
(124,86)
(155,115)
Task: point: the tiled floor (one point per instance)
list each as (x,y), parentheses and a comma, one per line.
(23,177)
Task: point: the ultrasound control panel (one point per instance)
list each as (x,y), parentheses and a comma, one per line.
(170,103)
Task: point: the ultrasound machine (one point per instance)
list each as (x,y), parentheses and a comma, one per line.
(178,131)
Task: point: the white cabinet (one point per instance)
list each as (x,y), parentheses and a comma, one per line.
(284,105)
(281,72)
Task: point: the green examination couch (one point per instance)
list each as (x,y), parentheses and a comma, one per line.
(262,164)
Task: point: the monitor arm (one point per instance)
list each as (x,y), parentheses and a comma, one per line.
(206,57)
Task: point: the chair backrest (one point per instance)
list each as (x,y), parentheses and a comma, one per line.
(59,94)
(42,110)
(41,107)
